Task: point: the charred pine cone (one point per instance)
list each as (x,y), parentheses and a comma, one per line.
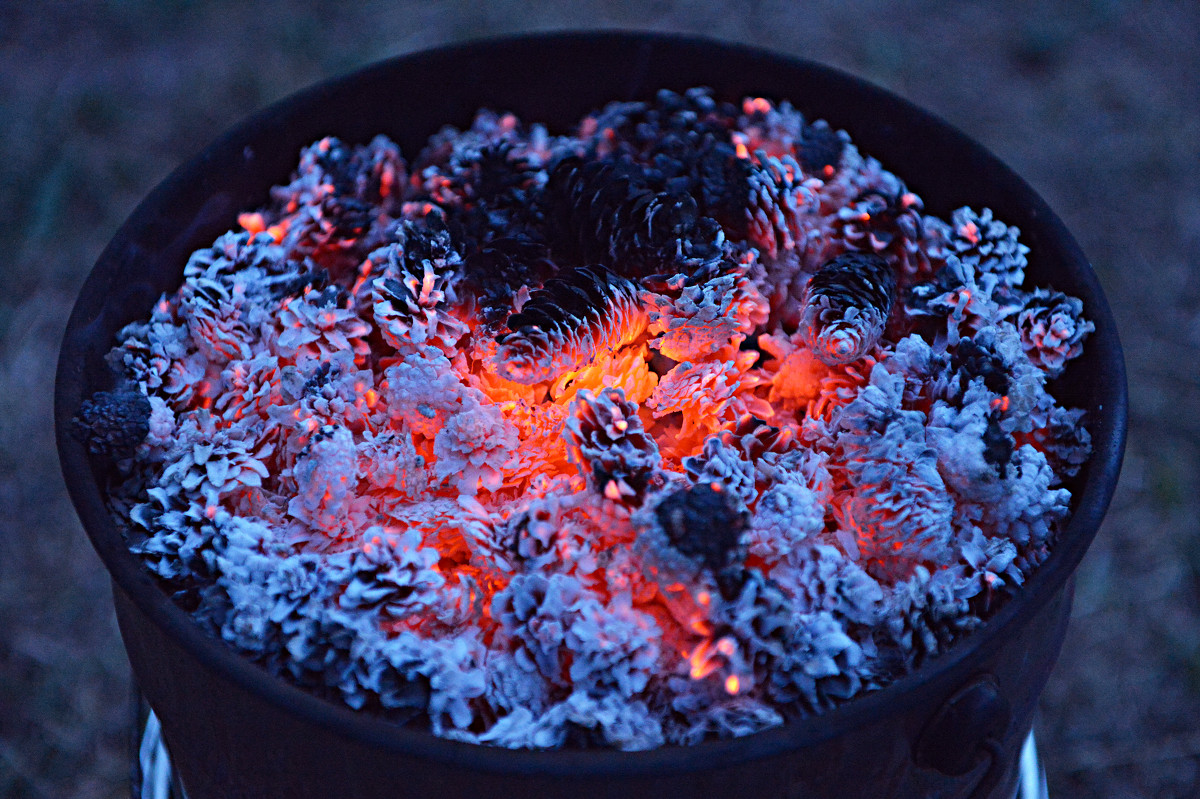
(606,440)
(409,303)
(683,144)
(498,188)
(113,423)
(997,444)
(566,322)
(819,150)
(846,307)
(970,360)
(704,524)
(777,200)
(1052,329)
(501,268)
(891,224)
(373,173)
(603,212)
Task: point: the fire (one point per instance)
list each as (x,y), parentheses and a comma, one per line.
(553,424)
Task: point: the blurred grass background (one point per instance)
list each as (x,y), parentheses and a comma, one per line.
(1094,102)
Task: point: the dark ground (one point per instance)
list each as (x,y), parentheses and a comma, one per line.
(1096,103)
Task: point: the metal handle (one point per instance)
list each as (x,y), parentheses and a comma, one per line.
(969,726)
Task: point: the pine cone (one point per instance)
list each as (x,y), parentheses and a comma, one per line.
(390,573)
(682,144)
(1052,329)
(779,198)
(496,187)
(607,443)
(603,212)
(890,224)
(704,524)
(846,307)
(566,322)
(499,269)
(926,613)
(820,150)
(970,359)
(988,246)
(113,423)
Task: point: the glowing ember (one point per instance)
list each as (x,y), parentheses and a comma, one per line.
(670,429)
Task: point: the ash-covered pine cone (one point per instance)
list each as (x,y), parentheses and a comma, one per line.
(603,212)
(721,464)
(754,438)
(822,665)
(238,254)
(926,613)
(778,200)
(614,649)
(988,246)
(1068,443)
(428,244)
(537,611)
(373,174)
(113,423)
(802,657)
(410,300)
(761,616)
(705,524)
(713,310)
(213,314)
(315,327)
(823,579)
(846,307)
(390,572)
(606,440)
(941,295)
(564,324)
(1052,329)
(891,224)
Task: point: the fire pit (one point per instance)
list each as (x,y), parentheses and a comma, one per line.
(984,707)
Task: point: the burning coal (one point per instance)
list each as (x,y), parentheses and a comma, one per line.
(677,427)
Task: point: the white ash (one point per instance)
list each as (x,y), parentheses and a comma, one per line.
(672,520)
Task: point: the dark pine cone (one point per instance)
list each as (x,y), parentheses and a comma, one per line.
(846,306)
(499,190)
(819,150)
(997,444)
(566,322)
(499,269)
(605,438)
(683,144)
(373,174)
(891,225)
(113,423)
(1052,329)
(970,360)
(603,212)
(702,523)
(428,240)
